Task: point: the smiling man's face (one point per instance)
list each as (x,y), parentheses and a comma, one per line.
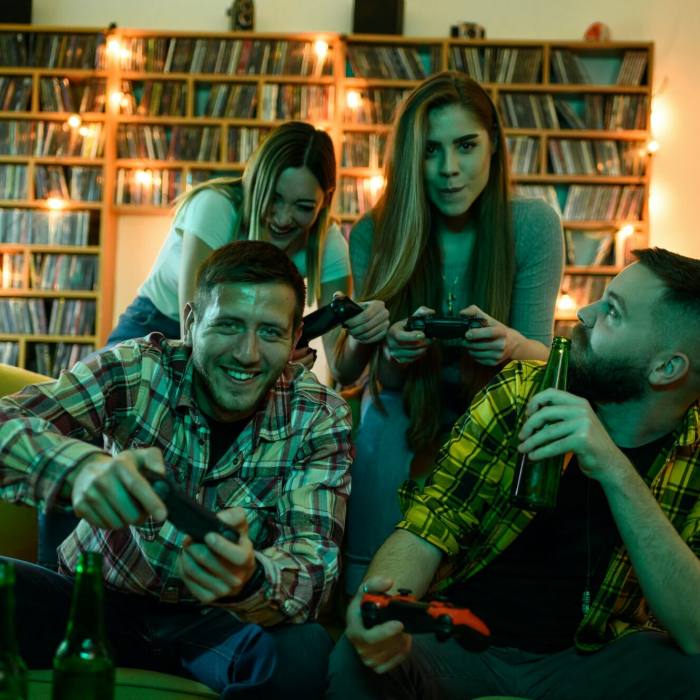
(242,337)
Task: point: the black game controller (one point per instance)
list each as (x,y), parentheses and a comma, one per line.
(444,327)
(327,318)
(184,513)
(420,617)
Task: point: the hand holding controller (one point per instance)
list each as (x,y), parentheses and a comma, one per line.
(420,617)
(186,514)
(444,327)
(327,318)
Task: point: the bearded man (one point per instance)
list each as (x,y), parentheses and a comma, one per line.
(600,597)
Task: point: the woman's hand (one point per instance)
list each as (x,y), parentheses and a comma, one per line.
(403,347)
(493,344)
(304,356)
(371,324)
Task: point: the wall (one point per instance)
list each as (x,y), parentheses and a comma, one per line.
(673,26)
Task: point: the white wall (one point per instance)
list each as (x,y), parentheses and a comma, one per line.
(674,27)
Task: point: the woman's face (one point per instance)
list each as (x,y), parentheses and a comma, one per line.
(296,203)
(457,161)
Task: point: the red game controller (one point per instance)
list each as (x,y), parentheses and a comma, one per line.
(420,617)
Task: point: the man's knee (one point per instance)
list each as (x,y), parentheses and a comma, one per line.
(302,660)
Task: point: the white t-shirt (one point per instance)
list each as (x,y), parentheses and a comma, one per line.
(211,216)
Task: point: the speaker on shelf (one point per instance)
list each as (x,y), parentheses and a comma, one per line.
(378,17)
(16,11)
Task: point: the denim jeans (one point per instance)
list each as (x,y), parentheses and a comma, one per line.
(140,318)
(209,644)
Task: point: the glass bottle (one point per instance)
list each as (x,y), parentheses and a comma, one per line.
(13,672)
(82,666)
(536,483)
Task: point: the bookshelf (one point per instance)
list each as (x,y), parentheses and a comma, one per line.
(55,295)
(161,111)
(576,117)
(196,107)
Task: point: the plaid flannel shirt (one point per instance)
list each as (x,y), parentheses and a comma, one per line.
(289,469)
(464,508)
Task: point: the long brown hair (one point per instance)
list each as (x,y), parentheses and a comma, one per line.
(291,145)
(405,270)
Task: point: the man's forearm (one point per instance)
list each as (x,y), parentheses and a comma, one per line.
(667,569)
(410,561)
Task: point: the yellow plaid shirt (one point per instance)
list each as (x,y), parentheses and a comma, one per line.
(464,508)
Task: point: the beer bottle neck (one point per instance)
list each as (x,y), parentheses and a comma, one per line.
(8,633)
(87,612)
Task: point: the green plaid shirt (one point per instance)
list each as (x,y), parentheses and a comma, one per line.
(288,468)
(464,508)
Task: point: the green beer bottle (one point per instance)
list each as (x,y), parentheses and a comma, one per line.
(82,667)
(536,484)
(13,672)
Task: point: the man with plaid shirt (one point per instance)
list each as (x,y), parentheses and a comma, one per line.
(599,598)
(247,434)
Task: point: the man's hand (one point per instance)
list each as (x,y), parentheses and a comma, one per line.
(402,346)
(383,647)
(371,324)
(218,568)
(494,343)
(111,493)
(559,422)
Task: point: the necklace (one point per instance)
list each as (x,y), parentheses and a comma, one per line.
(451,295)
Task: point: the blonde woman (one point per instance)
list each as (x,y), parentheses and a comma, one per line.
(283,197)
(446,237)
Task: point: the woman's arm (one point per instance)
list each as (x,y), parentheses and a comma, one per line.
(194,252)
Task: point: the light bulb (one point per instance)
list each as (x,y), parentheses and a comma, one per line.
(353,99)
(321,48)
(74,121)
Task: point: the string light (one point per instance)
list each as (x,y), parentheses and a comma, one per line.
(56,203)
(321,48)
(653,146)
(353,99)
(566,303)
(74,121)
(143,177)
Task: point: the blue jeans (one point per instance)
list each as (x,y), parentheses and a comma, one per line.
(140,318)
(382,463)
(209,644)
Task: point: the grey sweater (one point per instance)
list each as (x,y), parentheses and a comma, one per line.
(539,261)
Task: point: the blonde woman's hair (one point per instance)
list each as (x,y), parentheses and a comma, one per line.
(405,269)
(291,145)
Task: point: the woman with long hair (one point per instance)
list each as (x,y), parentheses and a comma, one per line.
(284,197)
(446,237)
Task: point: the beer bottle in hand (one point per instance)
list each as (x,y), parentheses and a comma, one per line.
(536,484)
(83,667)
(13,672)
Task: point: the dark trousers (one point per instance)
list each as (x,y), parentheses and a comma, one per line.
(640,666)
(209,644)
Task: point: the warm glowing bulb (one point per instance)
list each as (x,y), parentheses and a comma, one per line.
(56,203)
(653,146)
(84,131)
(376,184)
(115,98)
(321,48)
(626,231)
(114,46)
(565,303)
(144,177)
(660,116)
(124,53)
(353,99)
(74,121)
